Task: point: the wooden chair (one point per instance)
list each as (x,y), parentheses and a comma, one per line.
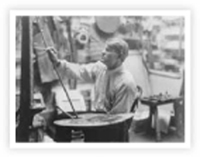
(136,102)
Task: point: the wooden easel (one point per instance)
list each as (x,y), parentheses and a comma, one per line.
(22,131)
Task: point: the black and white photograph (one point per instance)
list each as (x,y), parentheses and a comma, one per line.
(89,76)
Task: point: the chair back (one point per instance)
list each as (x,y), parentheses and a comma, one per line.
(138,97)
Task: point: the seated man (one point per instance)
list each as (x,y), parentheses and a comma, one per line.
(115,89)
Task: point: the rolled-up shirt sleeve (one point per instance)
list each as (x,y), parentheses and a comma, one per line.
(85,72)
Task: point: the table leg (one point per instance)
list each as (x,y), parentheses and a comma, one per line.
(179,118)
(157,125)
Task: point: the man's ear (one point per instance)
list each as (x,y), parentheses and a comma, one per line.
(120,55)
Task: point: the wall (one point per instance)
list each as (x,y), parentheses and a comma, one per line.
(155,82)
(161,84)
(134,64)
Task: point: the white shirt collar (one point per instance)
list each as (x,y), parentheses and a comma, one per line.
(118,69)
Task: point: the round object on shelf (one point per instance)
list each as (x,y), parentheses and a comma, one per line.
(108,24)
(82,38)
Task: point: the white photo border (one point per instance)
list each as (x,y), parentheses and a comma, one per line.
(116,12)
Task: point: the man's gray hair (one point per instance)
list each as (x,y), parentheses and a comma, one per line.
(119,46)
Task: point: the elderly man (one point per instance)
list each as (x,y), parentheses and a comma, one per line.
(115,89)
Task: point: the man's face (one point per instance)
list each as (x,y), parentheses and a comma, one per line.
(110,58)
